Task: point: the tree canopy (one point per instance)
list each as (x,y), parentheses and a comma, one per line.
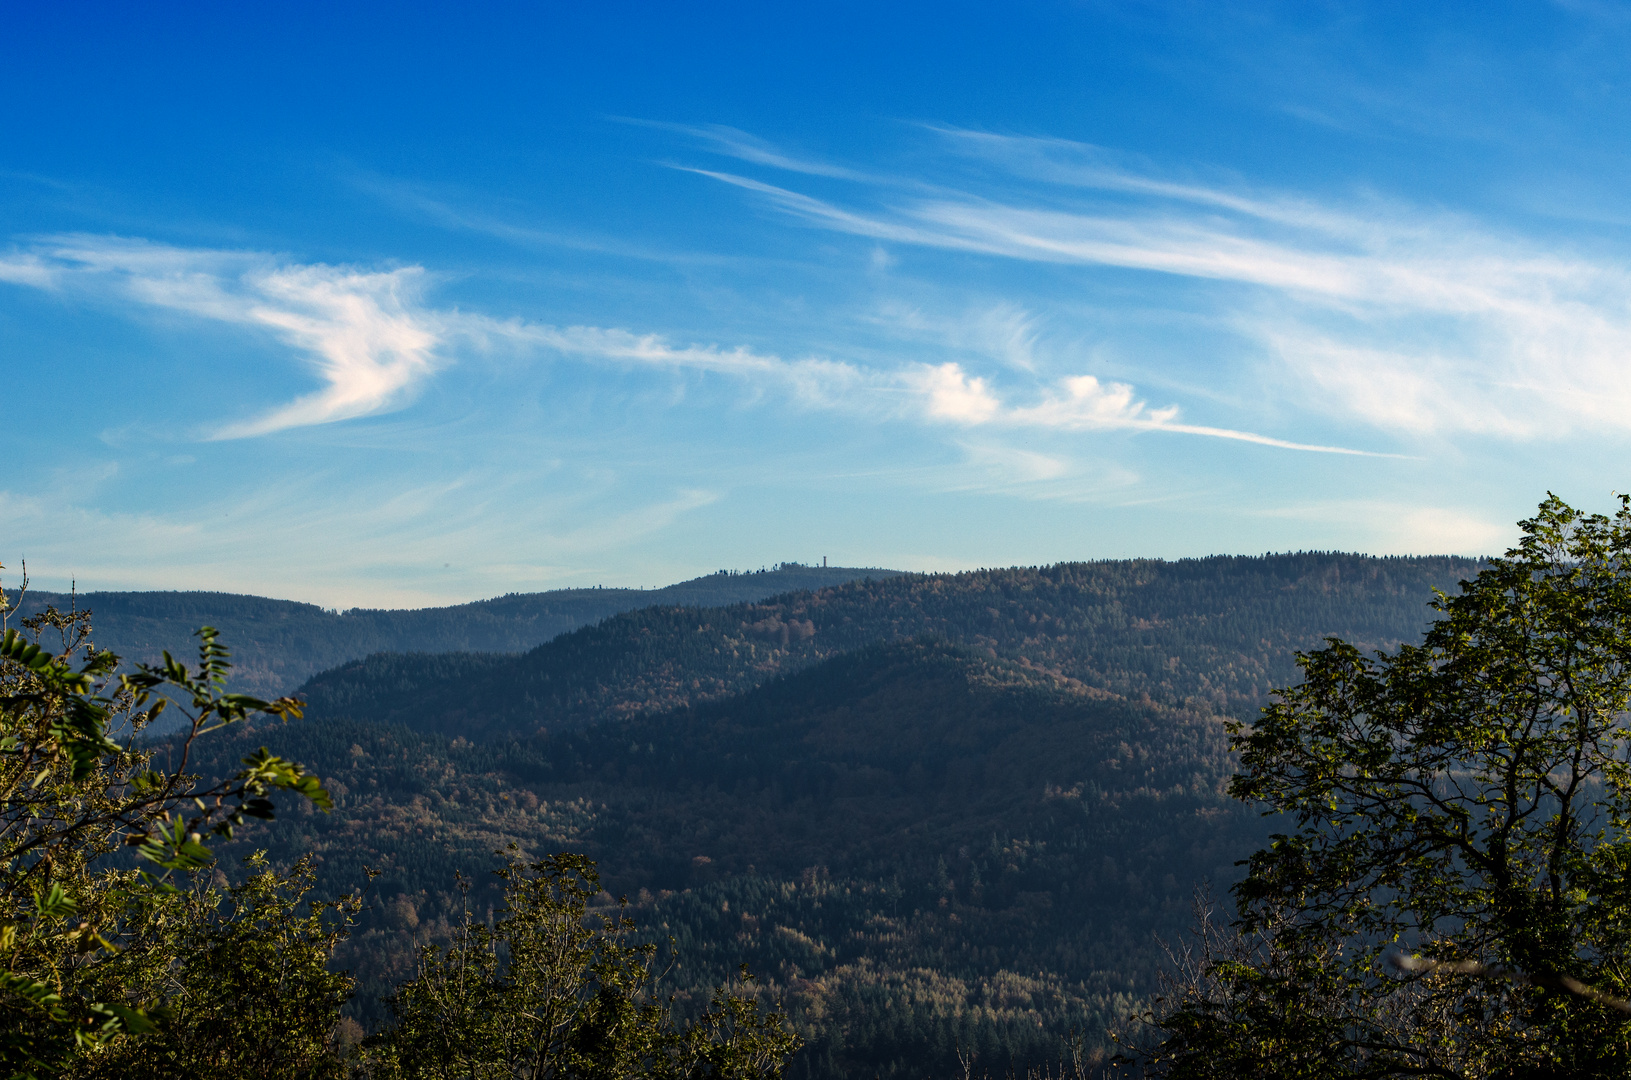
(552,989)
(1452,898)
(71,795)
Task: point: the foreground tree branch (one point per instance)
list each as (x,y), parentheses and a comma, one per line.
(1464,800)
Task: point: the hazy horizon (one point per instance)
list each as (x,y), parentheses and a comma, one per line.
(34,589)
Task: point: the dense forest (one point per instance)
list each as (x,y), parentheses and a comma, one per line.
(1218,632)
(279,644)
(934,813)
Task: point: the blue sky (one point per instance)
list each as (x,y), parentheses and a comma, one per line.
(398,305)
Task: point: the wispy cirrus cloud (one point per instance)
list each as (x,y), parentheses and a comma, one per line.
(372,340)
(364,333)
(745,146)
(26,269)
(940,393)
(1076,403)
(1415,321)
(368,341)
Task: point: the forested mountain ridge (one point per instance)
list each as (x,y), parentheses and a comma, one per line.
(1222,631)
(931,811)
(279,644)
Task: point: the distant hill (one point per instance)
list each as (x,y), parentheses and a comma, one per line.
(1222,631)
(279,644)
(931,811)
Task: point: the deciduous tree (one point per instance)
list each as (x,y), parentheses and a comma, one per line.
(552,989)
(75,788)
(1452,898)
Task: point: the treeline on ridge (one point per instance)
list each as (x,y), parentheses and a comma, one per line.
(279,644)
(932,811)
(1220,631)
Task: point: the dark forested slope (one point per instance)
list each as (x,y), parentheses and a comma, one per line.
(916,843)
(278,644)
(1221,631)
(931,810)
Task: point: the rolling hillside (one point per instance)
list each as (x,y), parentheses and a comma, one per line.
(1220,631)
(279,644)
(930,811)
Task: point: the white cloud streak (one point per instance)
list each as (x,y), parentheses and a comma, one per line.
(26,269)
(364,333)
(372,341)
(744,146)
(368,344)
(1420,323)
(943,393)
